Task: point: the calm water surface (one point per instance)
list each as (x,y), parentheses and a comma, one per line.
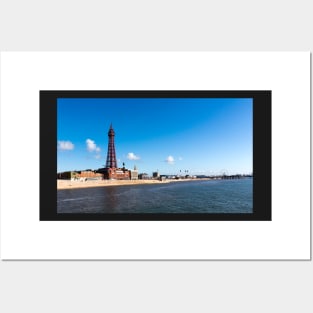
(212,196)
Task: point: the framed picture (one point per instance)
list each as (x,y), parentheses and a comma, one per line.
(177,156)
(155,155)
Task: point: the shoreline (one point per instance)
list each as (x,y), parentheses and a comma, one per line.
(68,184)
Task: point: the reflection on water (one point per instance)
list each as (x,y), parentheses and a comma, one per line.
(110,203)
(224,196)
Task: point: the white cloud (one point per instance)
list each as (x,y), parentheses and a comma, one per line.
(180,158)
(98,156)
(65,145)
(91,146)
(132,156)
(170,160)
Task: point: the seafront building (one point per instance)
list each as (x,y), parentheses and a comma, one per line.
(111,169)
(80,175)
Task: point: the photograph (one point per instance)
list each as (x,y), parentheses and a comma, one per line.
(184,168)
(148,156)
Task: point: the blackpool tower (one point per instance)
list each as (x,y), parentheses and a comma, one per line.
(111,157)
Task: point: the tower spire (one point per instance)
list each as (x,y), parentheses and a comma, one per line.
(111,157)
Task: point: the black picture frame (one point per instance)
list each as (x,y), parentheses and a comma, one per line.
(262,168)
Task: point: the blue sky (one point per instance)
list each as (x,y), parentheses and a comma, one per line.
(172,135)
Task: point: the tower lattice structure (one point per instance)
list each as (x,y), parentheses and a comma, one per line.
(111,157)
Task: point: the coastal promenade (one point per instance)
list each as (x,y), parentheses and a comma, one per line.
(68,184)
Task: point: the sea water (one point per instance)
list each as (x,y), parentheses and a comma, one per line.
(205,196)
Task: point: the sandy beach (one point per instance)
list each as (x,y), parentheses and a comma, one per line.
(67,184)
